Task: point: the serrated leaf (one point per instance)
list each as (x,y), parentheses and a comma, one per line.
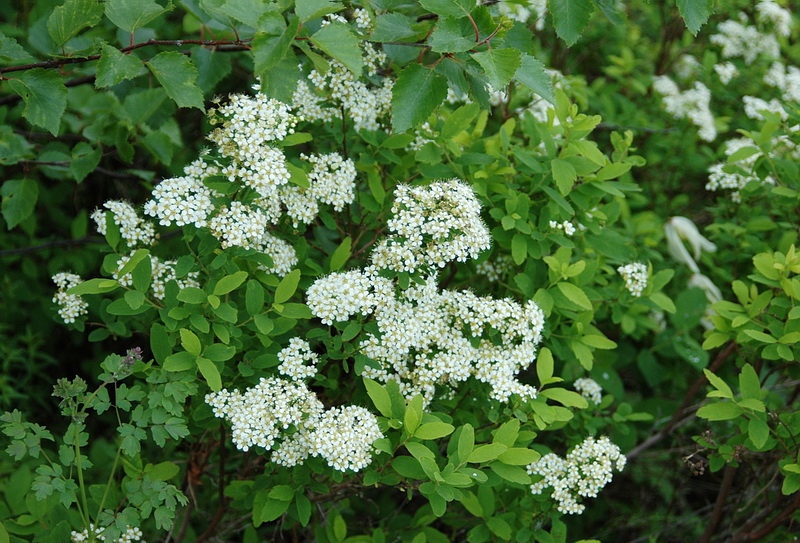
(416,93)
(570,18)
(11,51)
(610,8)
(210,373)
(132,14)
(500,65)
(114,67)
(339,42)
(178,76)
(44,94)
(532,74)
(19,200)
(245,11)
(307,10)
(564,175)
(70,18)
(448,8)
(392,27)
(447,37)
(85,159)
(269,50)
(695,13)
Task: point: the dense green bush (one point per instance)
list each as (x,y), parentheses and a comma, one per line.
(400,271)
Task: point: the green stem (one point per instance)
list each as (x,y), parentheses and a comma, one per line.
(84,511)
(110,480)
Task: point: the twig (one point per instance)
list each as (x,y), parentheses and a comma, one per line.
(53,244)
(727,481)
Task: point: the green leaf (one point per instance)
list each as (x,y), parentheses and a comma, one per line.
(190,342)
(67,20)
(44,94)
(544,365)
(159,343)
(245,11)
(564,175)
(663,301)
(720,411)
(466,442)
(379,396)
(434,430)
(531,73)
(135,258)
(486,453)
(341,254)
(229,283)
(416,93)
(132,14)
(85,159)
(758,430)
(519,248)
(94,286)
(287,287)
(760,336)
(19,200)
(179,361)
(515,474)
(695,13)
(217,352)
(269,50)
(448,8)
(723,388)
(447,37)
(575,295)
(570,18)
(11,51)
(749,383)
(598,342)
(114,67)
(178,76)
(507,433)
(519,456)
(254,297)
(500,65)
(307,10)
(339,42)
(210,373)
(392,27)
(565,397)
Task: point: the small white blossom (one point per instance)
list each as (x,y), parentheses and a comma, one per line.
(692,104)
(298,361)
(71,306)
(771,14)
(635,276)
(494,270)
(754,105)
(133,229)
(738,39)
(726,71)
(589,389)
(132,533)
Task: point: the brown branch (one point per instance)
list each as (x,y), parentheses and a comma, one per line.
(53,244)
(727,481)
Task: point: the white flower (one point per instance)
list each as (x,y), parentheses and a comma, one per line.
(635,276)
(678,228)
(754,105)
(71,306)
(294,359)
(133,229)
(589,389)
(692,104)
(726,71)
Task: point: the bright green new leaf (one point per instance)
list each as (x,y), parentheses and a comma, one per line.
(758,430)
(663,301)
(230,283)
(570,18)
(433,430)
(466,442)
(565,397)
(448,38)
(544,365)
(287,287)
(486,453)
(413,414)
(720,411)
(575,295)
(461,119)
(583,354)
(94,286)
(507,433)
(519,456)
(264,324)
(217,352)
(598,342)
(179,361)
(448,8)
(341,254)
(19,200)
(719,384)
(190,342)
(512,473)
(132,14)
(44,94)
(339,42)
(500,65)
(115,66)
(135,258)
(178,76)
(749,383)
(210,373)
(531,73)
(695,13)
(416,93)
(760,336)
(73,16)
(379,397)
(564,175)
(419,451)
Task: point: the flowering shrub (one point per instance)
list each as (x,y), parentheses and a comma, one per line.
(418,285)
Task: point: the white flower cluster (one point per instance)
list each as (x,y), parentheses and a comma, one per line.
(635,276)
(260,416)
(753,106)
(589,389)
(362,19)
(739,173)
(692,104)
(494,270)
(726,71)
(422,135)
(785,79)
(331,181)
(133,229)
(739,39)
(340,88)
(183,200)
(687,67)
(582,474)
(432,225)
(294,359)
(71,306)
(566,226)
(769,13)
(131,534)
(162,272)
